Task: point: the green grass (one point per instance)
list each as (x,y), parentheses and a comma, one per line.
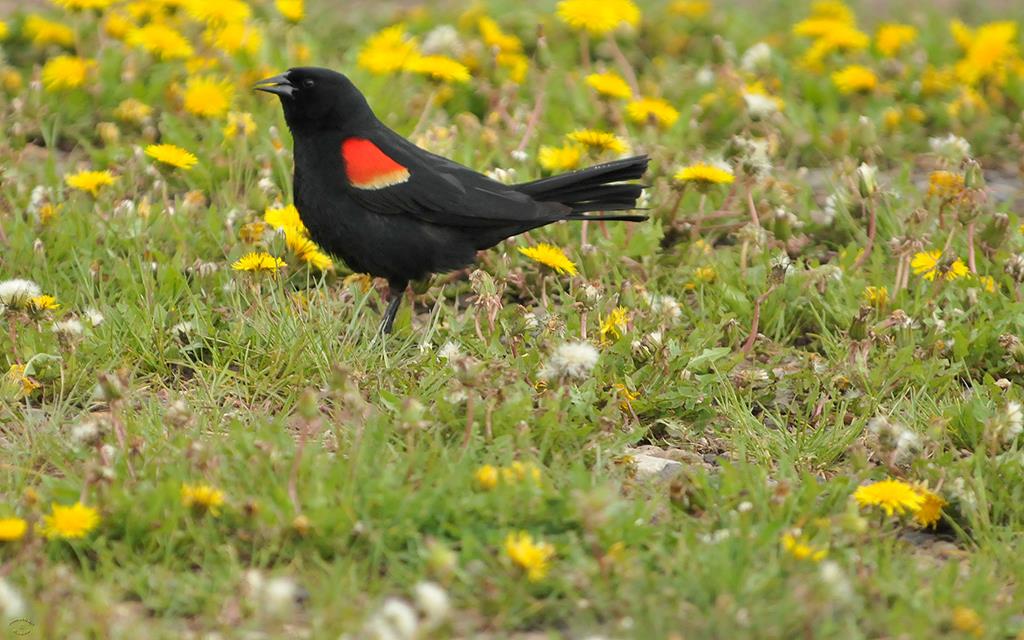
(341,454)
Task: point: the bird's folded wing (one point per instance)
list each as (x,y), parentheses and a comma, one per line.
(394,177)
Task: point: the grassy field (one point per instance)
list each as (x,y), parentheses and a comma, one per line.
(787,405)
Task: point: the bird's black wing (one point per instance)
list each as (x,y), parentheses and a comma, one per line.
(389,175)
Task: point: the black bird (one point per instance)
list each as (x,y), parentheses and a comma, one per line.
(391,209)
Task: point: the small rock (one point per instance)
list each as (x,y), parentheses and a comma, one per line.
(649,467)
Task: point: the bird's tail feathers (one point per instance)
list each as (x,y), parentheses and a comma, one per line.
(597,188)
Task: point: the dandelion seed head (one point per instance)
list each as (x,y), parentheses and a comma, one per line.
(17,293)
(573,360)
(433,602)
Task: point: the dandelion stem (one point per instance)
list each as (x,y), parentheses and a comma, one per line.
(695,229)
(585,51)
(756,320)
(476,325)
(540,95)
(872,224)
(970,247)
(674,209)
(751,207)
(623,62)
(425,114)
(121,435)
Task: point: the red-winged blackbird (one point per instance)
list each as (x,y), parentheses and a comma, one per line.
(390,209)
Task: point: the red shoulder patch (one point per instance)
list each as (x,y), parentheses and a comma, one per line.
(367,167)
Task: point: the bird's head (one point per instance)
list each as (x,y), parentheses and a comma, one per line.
(317,99)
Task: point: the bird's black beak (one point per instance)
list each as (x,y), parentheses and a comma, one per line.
(278,84)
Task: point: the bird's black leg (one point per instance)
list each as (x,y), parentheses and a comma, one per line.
(396,290)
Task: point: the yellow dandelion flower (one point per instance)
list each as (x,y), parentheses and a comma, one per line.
(892,496)
(598,140)
(855,78)
(75,521)
(361,280)
(915,114)
(234,37)
(891,38)
(652,111)
(66,72)
(10,79)
(706,275)
(253,232)
(931,508)
(301,52)
(991,52)
(239,124)
(614,326)
(988,283)
(291,10)
(12,529)
(962,34)
(516,63)
(892,117)
(160,40)
(16,375)
(47,212)
(519,471)
(801,549)
(387,51)
(117,25)
(690,8)
(305,249)
(90,181)
(832,9)
(967,620)
(877,297)
(937,80)
(493,36)
(945,184)
(550,256)
(43,303)
(172,155)
(202,497)
(704,175)
(259,262)
(838,37)
(284,218)
(207,97)
(133,111)
(440,68)
(560,158)
(201,64)
(4,30)
(218,11)
(43,32)
(968,104)
(486,477)
(929,264)
(598,18)
(818,27)
(532,557)
(609,84)
(627,396)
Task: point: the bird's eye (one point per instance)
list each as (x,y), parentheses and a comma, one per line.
(308,83)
